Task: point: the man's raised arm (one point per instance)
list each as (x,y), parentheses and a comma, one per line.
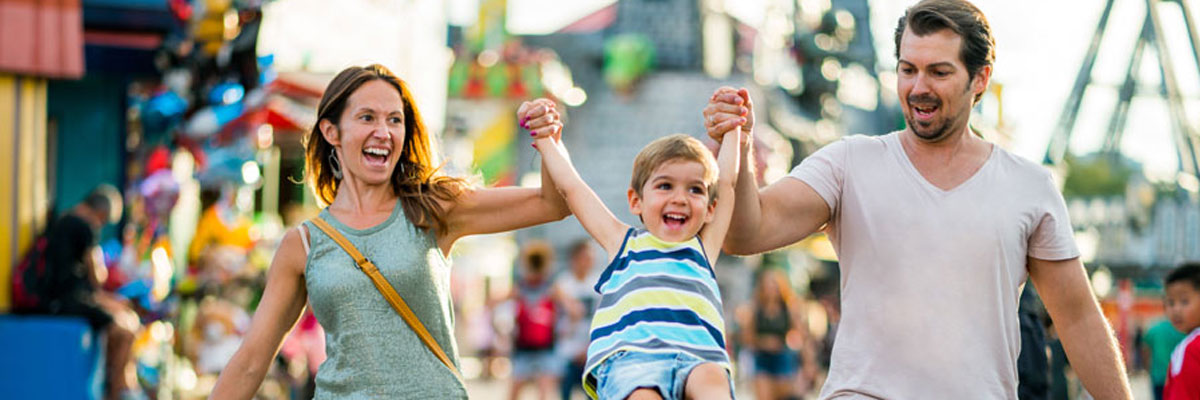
(781,213)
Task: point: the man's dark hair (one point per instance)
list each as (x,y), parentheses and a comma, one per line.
(1188,272)
(930,16)
(106,199)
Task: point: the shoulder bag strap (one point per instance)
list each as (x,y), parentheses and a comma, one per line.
(385,288)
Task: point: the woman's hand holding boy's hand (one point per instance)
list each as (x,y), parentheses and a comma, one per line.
(541,118)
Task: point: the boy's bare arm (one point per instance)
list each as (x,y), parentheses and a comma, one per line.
(595,217)
(728,161)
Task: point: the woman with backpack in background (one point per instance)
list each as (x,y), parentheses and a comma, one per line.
(538,304)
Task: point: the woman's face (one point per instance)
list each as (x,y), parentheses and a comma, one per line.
(767,287)
(369,136)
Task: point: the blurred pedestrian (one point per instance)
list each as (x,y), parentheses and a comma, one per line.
(775,333)
(75,272)
(539,303)
(369,159)
(1157,344)
(1033,368)
(573,340)
(936,230)
(222,238)
(1183,308)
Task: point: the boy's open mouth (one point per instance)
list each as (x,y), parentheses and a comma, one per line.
(674,220)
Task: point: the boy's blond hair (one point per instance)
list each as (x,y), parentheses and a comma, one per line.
(677,147)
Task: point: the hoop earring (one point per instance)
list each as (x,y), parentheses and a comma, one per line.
(335,166)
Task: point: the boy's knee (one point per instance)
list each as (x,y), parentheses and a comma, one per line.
(707,381)
(644,394)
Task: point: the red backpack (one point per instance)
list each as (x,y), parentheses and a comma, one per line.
(535,323)
(29,278)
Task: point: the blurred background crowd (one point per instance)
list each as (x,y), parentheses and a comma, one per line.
(194,111)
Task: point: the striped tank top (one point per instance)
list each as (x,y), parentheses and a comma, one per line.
(657,297)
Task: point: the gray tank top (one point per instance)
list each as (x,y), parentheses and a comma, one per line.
(372,353)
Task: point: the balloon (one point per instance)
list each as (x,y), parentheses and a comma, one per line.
(159,159)
(626,58)
(266,69)
(255,98)
(162,111)
(226,93)
(160,191)
(210,120)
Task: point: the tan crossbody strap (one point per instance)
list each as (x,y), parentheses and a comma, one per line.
(388,292)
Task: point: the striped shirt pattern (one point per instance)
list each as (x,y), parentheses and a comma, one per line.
(657,297)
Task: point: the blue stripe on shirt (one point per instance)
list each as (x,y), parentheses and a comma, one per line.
(687,317)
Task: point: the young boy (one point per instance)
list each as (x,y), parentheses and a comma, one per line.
(1183,309)
(658,331)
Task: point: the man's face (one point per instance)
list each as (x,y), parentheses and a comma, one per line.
(936,92)
(1183,306)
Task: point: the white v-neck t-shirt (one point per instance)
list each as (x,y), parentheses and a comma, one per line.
(930,278)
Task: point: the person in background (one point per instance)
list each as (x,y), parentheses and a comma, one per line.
(538,303)
(75,272)
(573,338)
(1033,368)
(220,229)
(369,157)
(1183,308)
(773,330)
(1157,344)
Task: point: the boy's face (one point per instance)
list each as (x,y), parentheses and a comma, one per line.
(674,201)
(1183,306)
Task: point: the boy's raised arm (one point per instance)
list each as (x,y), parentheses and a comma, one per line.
(728,161)
(587,207)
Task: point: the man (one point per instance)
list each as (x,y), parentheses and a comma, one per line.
(75,273)
(936,231)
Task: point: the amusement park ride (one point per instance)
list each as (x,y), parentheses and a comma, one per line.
(1185,133)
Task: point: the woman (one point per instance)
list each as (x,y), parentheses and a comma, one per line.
(368,157)
(539,304)
(773,330)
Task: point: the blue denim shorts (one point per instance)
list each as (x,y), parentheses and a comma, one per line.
(529,364)
(779,364)
(626,371)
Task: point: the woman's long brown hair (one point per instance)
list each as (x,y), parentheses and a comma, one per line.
(414,180)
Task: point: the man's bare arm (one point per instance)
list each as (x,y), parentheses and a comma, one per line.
(1086,336)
